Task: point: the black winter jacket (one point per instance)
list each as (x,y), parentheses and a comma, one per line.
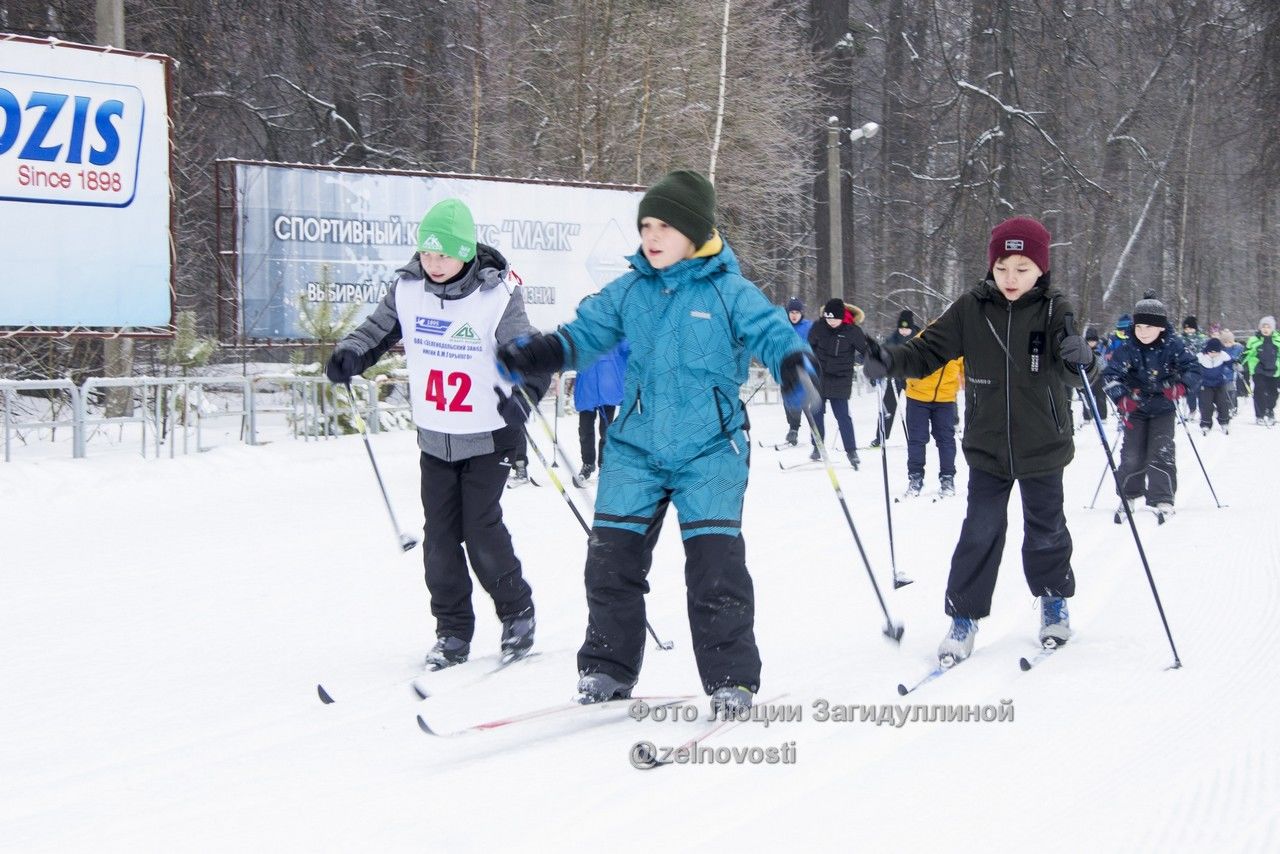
(1017,413)
(836,351)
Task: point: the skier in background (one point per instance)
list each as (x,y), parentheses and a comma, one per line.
(906,330)
(837,340)
(1145,379)
(801,325)
(596,394)
(1262,361)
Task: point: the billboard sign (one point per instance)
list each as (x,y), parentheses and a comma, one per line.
(84,187)
(307,235)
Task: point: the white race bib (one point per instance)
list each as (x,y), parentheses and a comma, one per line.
(450,347)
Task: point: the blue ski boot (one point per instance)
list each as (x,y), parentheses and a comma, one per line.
(958,644)
(1055,626)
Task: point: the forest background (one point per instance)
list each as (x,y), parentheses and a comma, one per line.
(1143,133)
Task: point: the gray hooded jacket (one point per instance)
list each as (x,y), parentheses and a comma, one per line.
(381,331)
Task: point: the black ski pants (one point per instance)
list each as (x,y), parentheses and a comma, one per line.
(1148,460)
(461,502)
(1046,542)
(1211,398)
(1264,395)
(892,388)
(719,595)
(587,432)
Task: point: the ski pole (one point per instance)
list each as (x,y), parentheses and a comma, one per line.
(892,630)
(899,580)
(407,542)
(556,437)
(1103,476)
(1069,326)
(1200,461)
(555,480)
(551,435)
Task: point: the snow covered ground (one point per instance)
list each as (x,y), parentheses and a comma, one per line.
(164,624)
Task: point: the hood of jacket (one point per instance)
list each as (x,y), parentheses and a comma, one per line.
(487,271)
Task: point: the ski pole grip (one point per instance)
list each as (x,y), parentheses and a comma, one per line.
(1069,323)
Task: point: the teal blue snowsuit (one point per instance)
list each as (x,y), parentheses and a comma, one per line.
(678,438)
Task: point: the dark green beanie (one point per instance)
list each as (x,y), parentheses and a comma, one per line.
(684,200)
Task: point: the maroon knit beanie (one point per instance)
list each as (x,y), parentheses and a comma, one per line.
(1021,235)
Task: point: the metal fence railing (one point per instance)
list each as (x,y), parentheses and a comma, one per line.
(174,414)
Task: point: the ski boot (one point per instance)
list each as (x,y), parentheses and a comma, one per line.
(517,637)
(853,460)
(1118,518)
(447,652)
(1225,430)
(1055,626)
(875,443)
(587,471)
(958,644)
(600,688)
(1204,429)
(519,472)
(946,485)
(815,456)
(729,702)
(793,437)
(915,483)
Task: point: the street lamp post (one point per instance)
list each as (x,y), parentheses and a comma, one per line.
(866,131)
(836,227)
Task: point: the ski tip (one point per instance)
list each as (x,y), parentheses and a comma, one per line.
(1024,664)
(422,725)
(420,692)
(324,695)
(903,690)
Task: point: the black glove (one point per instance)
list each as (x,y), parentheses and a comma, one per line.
(879,362)
(343,365)
(530,354)
(799,381)
(512,407)
(1076,351)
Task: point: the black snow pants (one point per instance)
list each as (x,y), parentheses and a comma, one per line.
(719,595)
(1148,463)
(461,502)
(1046,542)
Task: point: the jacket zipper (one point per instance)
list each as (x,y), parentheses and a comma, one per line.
(1008,389)
(1053,407)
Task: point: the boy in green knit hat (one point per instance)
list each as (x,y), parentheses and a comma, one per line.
(469,422)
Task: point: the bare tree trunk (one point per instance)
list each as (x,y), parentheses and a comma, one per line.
(724,57)
(477,56)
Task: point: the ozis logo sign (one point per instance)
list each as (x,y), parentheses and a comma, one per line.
(69,142)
